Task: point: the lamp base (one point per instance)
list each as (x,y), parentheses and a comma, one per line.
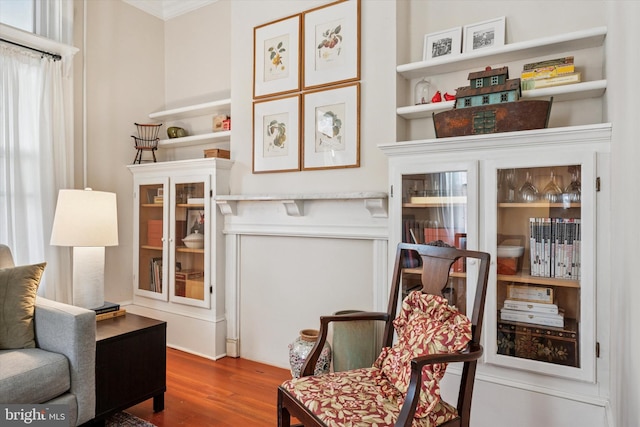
(88,276)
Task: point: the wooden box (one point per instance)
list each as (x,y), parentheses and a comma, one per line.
(154,232)
(508,266)
(217,152)
(546,344)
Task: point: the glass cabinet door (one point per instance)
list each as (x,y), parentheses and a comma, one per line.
(151,244)
(542,230)
(435,208)
(190,237)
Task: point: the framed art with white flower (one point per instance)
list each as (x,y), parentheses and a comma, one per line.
(331,123)
(276,57)
(331,44)
(276,135)
(484,35)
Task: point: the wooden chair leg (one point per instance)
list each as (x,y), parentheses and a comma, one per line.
(284,417)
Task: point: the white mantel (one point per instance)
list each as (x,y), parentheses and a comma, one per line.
(359,219)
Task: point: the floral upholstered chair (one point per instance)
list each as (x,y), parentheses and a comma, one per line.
(402,387)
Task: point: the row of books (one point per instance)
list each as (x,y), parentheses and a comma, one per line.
(533,305)
(554,245)
(549,73)
(155,275)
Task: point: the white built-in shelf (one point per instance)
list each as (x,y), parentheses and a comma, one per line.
(592,89)
(374,202)
(212,107)
(204,138)
(567,42)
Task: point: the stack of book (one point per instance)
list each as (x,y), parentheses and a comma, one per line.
(553,72)
(109,310)
(531,304)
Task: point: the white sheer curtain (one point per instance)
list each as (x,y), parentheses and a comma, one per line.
(36,160)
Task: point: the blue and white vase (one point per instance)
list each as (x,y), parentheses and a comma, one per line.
(300,349)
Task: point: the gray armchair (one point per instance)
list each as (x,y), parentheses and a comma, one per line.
(61,369)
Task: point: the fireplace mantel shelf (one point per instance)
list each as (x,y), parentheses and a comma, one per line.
(374,202)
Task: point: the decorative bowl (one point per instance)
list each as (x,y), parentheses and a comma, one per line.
(194,240)
(176,132)
(508,251)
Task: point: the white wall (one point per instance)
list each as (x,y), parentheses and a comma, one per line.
(124,68)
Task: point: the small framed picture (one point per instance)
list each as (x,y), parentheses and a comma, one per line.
(484,35)
(195,221)
(443,43)
(332,128)
(276,57)
(331,44)
(276,135)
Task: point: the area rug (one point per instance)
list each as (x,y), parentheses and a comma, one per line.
(124,419)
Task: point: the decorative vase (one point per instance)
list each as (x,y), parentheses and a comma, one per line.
(300,349)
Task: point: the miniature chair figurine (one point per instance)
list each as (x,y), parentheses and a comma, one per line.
(402,386)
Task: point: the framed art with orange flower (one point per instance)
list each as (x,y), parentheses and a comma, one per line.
(276,134)
(331,123)
(276,57)
(331,44)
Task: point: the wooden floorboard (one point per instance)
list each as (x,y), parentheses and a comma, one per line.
(223,393)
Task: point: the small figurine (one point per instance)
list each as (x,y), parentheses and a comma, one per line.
(437,97)
(449,97)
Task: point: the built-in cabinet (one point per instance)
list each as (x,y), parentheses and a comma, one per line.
(178,245)
(529,199)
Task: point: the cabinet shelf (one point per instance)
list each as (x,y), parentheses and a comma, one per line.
(151,205)
(584,90)
(203,109)
(541,204)
(152,248)
(524,277)
(577,40)
(185,249)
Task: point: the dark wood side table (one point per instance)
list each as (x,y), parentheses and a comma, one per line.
(131,363)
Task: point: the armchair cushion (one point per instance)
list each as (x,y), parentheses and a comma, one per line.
(427,324)
(18,286)
(360,397)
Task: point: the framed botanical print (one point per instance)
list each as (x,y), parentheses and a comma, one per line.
(331,128)
(276,57)
(331,44)
(276,134)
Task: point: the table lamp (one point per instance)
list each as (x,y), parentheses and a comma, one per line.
(87,220)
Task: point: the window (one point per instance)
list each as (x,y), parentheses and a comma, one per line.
(495,80)
(485,99)
(467,102)
(479,83)
(19,14)
(504,97)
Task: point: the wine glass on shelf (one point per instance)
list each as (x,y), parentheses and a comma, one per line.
(552,192)
(574,189)
(528,192)
(509,177)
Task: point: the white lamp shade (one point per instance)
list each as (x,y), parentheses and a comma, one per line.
(85,218)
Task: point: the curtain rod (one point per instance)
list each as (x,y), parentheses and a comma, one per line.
(54,56)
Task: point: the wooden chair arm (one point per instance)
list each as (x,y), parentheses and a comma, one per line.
(405,418)
(313,356)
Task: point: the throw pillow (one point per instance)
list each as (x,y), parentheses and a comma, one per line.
(18,286)
(426,325)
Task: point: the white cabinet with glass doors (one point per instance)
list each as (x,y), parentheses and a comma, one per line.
(529,199)
(177,241)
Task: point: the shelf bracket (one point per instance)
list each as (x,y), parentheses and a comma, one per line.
(294,207)
(227,207)
(378,208)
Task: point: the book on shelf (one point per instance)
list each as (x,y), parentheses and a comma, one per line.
(539,294)
(545,319)
(155,275)
(528,306)
(548,68)
(111,314)
(554,245)
(559,80)
(189,274)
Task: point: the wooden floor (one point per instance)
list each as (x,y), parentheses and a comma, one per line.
(224,393)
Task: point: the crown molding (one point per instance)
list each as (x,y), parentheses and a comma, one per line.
(168,9)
